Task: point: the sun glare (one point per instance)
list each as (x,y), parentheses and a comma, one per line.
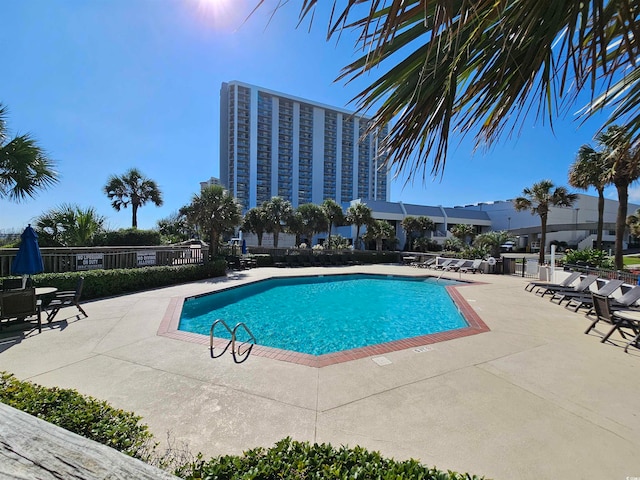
(222,13)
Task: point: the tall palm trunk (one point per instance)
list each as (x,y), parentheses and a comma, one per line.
(621,219)
(600,218)
(214,243)
(134,215)
(543,238)
(275,237)
(357,242)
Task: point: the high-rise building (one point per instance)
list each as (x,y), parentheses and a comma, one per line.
(273,144)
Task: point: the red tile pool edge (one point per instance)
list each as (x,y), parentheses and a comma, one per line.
(169,328)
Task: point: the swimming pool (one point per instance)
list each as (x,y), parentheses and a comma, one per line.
(317,315)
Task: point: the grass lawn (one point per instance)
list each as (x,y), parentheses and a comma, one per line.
(631,260)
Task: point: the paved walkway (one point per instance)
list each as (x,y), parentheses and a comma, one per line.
(533,398)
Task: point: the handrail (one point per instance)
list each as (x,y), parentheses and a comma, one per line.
(213,326)
(233,343)
(237,353)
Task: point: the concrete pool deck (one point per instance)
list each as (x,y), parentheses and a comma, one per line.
(532,398)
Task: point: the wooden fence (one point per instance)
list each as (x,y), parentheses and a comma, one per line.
(91,258)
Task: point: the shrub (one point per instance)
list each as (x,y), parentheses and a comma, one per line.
(590,257)
(81,414)
(106,283)
(289,459)
(129,237)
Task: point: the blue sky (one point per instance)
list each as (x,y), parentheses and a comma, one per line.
(106,85)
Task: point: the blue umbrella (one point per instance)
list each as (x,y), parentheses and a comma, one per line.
(28,260)
(244,246)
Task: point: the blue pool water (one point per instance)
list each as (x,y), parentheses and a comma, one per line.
(318,315)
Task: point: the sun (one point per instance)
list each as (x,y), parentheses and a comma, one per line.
(218,12)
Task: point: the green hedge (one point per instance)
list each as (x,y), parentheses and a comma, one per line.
(129,236)
(81,414)
(106,283)
(293,460)
(287,460)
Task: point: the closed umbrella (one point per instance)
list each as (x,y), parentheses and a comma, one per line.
(28,260)
(244,246)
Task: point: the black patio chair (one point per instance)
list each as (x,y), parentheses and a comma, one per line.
(66,299)
(20,306)
(12,284)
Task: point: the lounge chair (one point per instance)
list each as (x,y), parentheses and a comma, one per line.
(581,300)
(455,266)
(425,264)
(565,283)
(626,301)
(445,263)
(629,319)
(618,320)
(583,287)
(20,306)
(66,299)
(566,294)
(473,268)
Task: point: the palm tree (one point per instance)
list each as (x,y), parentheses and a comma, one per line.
(255,221)
(622,157)
(215,211)
(295,226)
(492,241)
(132,188)
(24,166)
(174,228)
(476,66)
(69,226)
(539,199)
(278,211)
(410,225)
(426,225)
(463,231)
(379,230)
(313,220)
(633,222)
(588,171)
(333,212)
(358,214)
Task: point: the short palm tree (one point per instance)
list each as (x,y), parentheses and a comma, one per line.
(463,231)
(70,226)
(492,241)
(132,188)
(426,225)
(378,231)
(313,219)
(278,211)
(588,170)
(24,166)
(633,221)
(410,226)
(539,199)
(622,157)
(255,221)
(335,215)
(358,214)
(215,211)
(295,226)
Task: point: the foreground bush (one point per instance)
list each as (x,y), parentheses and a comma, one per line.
(590,257)
(86,416)
(288,459)
(106,283)
(293,460)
